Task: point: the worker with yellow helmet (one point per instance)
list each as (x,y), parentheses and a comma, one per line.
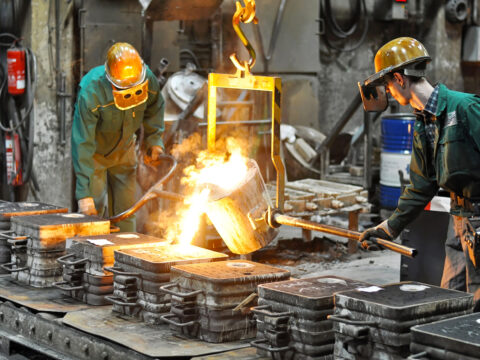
(114,100)
(445,154)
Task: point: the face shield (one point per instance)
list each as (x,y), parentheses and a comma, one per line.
(373,91)
(131,97)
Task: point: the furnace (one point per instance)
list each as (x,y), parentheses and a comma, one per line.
(84,274)
(292,316)
(209,300)
(42,242)
(139,274)
(375,321)
(456,338)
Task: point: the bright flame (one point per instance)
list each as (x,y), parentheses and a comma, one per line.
(215,169)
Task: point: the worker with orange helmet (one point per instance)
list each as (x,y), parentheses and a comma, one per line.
(445,154)
(114,101)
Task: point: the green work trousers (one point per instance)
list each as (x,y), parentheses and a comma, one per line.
(114,182)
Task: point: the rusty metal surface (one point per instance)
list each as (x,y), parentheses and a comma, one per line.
(159,259)
(460,335)
(182,9)
(44,300)
(157,341)
(405,300)
(313,293)
(9,209)
(57,220)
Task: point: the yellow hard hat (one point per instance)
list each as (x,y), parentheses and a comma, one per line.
(404,53)
(124,66)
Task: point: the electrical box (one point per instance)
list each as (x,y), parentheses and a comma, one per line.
(387,10)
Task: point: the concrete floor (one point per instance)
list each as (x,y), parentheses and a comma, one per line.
(376,267)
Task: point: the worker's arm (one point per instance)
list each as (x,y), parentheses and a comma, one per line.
(153,116)
(83,143)
(472,115)
(422,188)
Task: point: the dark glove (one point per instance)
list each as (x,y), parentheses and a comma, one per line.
(382,231)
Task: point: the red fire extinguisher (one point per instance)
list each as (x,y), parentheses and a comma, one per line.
(14,160)
(16,70)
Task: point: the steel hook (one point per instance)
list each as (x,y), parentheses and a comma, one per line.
(246,15)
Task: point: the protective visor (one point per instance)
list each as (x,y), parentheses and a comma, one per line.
(374,97)
(128,98)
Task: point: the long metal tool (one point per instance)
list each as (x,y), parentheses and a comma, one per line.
(281,219)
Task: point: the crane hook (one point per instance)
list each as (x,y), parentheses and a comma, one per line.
(246,15)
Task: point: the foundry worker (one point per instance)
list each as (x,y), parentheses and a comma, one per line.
(446,154)
(114,100)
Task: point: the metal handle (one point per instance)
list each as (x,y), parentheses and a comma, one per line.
(167,319)
(20,241)
(114,229)
(116,301)
(59,285)
(63,260)
(260,344)
(166,290)
(346,320)
(7,267)
(5,234)
(422,355)
(119,271)
(266,311)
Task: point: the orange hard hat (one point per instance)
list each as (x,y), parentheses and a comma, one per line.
(124,66)
(403,53)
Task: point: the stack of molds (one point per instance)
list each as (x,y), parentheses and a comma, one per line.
(374,322)
(455,338)
(84,274)
(11,209)
(292,317)
(139,274)
(34,258)
(212,302)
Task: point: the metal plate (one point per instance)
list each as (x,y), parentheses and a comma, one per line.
(314,293)
(9,209)
(405,300)
(43,300)
(437,353)
(158,341)
(460,334)
(160,259)
(232,271)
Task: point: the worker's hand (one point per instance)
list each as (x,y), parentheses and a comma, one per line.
(153,154)
(87,206)
(382,231)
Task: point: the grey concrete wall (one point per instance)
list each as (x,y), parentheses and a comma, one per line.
(52,161)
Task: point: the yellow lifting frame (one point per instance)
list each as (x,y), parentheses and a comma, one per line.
(251,82)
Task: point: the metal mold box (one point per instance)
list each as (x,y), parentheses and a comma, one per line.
(459,334)
(314,293)
(10,209)
(160,259)
(405,300)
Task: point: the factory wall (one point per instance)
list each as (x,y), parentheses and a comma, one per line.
(318,82)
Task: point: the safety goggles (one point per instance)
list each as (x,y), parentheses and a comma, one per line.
(131,97)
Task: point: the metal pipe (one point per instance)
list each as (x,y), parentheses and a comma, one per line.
(349,234)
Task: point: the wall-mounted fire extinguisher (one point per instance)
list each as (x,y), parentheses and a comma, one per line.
(16,70)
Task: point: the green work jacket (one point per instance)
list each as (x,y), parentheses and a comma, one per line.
(100,127)
(456,158)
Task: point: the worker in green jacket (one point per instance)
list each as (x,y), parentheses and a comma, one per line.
(445,154)
(114,101)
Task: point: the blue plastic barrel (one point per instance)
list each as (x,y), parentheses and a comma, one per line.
(397,139)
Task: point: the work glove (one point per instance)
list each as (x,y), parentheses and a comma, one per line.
(153,154)
(382,231)
(87,206)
